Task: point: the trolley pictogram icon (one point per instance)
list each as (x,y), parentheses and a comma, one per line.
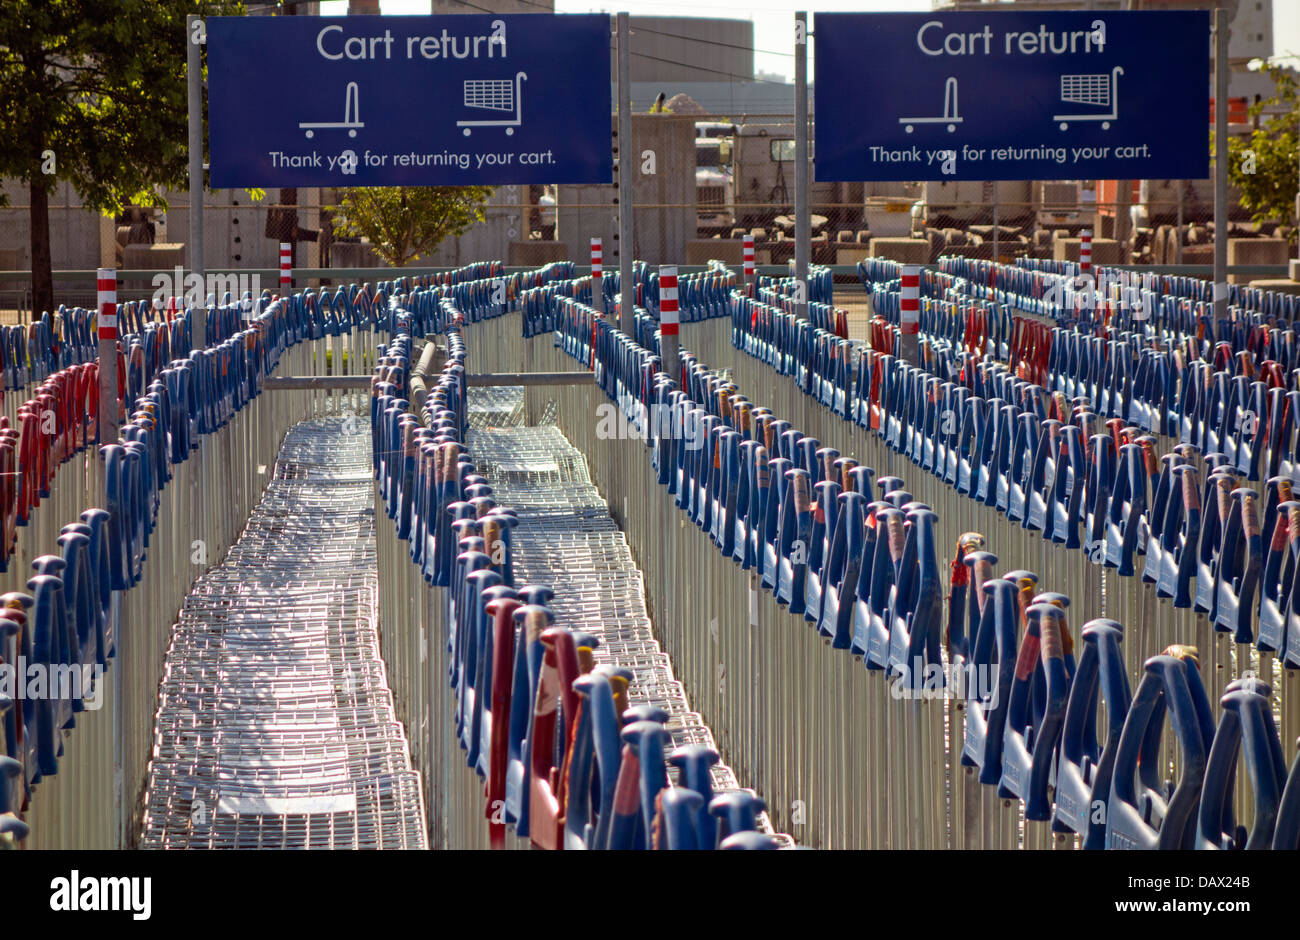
(495,95)
(351,115)
(1100,90)
(949,116)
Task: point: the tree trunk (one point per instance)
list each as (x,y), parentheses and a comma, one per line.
(42,268)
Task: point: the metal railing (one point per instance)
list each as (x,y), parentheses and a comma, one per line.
(561,535)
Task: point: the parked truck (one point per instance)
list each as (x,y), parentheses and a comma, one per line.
(762,173)
(959,203)
(1061,204)
(714,195)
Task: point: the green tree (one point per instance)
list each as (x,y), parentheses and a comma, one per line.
(405,222)
(93,92)
(1264,165)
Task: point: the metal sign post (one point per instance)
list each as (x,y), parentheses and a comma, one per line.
(106,329)
(1178,258)
(748,243)
(194,38)
(1221,75)
(626,249)
(802,216)
(996,224)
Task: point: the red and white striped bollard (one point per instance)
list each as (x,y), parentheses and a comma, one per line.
(106,328)
(286,269)
(597,276)
(748,243)
(909,319)
(669,320)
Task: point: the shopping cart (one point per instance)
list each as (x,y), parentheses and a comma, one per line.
(1101,90)
(495,95)
(949,116)
(497,407)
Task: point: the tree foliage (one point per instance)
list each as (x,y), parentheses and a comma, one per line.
(404,223)
(93,92)
(1264,165)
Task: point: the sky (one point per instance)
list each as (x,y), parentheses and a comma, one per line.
(773,19)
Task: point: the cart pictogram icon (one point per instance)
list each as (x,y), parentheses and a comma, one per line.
(351,115)
(1101,90)
(949,116)
(495,95)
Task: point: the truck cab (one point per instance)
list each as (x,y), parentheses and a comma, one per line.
(713,188)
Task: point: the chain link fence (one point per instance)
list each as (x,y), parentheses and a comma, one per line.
(743,172)
(700,182)
(844,233)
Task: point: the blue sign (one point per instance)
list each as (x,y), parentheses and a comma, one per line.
(1012,95)
(408,100)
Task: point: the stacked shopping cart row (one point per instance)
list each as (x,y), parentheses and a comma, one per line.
(275,724)
(496,406)
(567,540)
(1070,460)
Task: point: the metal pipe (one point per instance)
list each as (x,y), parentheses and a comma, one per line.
(1221,73)
(529,378)
(431,361)
(327,383)
(802,215)
(315,382)
(626,248)
(1178,254)
(996,226)
(194,38)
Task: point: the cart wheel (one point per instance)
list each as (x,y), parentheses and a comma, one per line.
(352,132)
(509,131)
(1065,126)
(467,132)
(908,128)
(310,133)
(1105,125)
(951,128)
